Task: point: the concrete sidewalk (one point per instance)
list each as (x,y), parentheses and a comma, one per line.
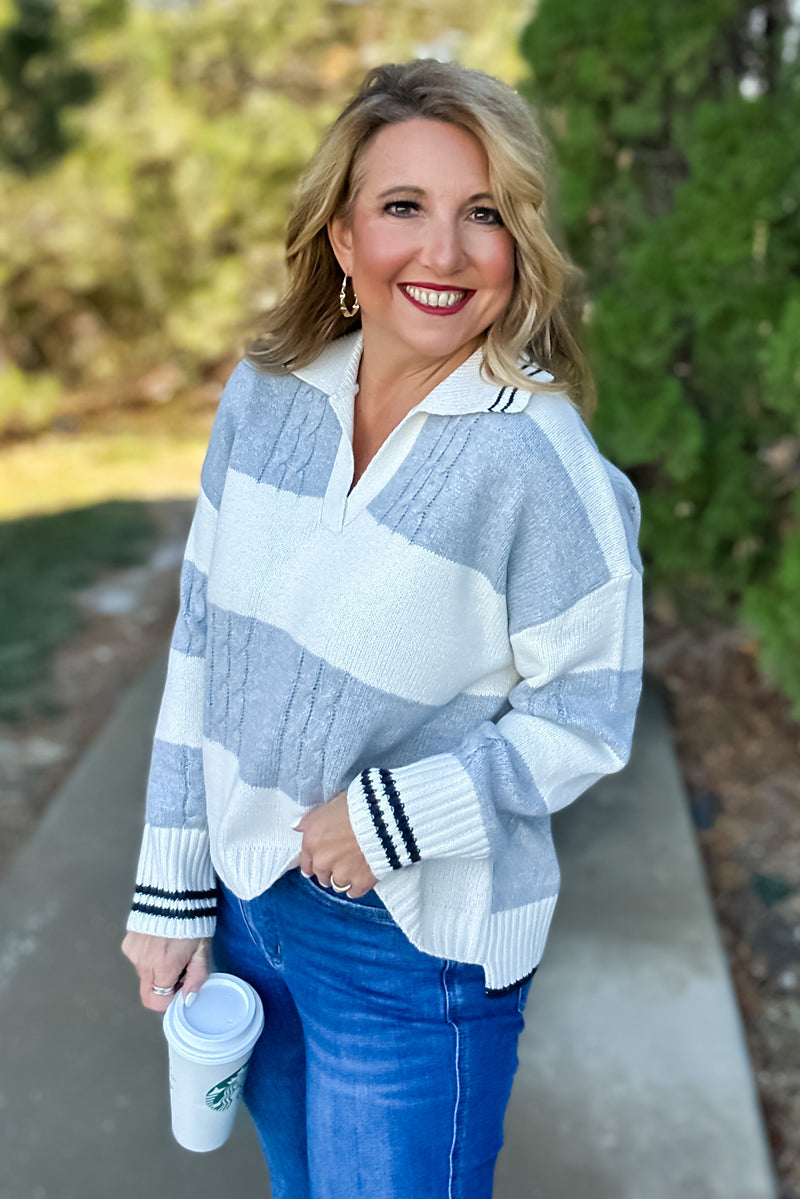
(634,1082)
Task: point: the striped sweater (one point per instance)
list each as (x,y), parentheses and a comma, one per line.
(456,642)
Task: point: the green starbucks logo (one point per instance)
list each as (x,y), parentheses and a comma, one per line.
(225,1093)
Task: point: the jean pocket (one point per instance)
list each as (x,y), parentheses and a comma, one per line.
(375,913)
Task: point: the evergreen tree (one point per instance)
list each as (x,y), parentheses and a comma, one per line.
(38,81)
(677,127)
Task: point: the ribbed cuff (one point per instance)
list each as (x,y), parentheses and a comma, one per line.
(176,886)
(428,809)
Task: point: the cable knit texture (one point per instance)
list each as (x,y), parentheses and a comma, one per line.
(456,642)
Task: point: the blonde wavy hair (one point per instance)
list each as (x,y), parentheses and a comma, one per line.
(536,326)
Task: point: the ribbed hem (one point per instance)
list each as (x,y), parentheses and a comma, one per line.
(508,945)
(498,992)
(176,889)
(428,809)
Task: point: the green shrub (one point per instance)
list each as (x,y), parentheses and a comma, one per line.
(677,128)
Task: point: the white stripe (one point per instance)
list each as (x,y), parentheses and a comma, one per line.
(251,827)
(602,631)
(336,594)
(200,545)
(180,720)
(497,684)
(563,761)
(174,907)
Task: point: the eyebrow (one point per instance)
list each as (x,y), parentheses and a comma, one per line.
(420,191)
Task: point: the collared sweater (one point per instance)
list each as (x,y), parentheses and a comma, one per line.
(456,641)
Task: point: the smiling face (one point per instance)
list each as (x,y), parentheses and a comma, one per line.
(431,262)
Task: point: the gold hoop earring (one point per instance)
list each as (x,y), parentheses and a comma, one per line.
(343,301)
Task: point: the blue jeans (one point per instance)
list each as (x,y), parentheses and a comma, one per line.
(382,1072)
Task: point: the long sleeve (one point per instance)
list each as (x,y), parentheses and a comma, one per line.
(575,629)
(175,880)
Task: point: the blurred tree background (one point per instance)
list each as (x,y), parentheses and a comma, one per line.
(677,128)
(148,156)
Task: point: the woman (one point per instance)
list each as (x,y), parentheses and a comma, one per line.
(410,630)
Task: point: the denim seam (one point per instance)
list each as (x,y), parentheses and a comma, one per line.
(269,955)
(247,923)
(457,1064)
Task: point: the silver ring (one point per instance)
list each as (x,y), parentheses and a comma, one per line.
(163,990)
(340,890)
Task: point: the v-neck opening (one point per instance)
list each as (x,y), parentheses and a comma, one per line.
(463,392)
(345,500)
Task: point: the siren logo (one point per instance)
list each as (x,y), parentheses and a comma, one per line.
(225,1093)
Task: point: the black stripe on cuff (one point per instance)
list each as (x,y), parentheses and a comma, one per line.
(399,813)
(159,893)
(378,821)
(150,909)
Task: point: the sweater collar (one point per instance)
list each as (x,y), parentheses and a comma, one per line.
(464,391)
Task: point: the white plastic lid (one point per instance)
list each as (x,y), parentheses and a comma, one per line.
(224,1021)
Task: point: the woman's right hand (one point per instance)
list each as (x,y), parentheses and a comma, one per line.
(165,962)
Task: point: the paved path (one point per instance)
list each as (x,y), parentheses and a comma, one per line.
(634,1082)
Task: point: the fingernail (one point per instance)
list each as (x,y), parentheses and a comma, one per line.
(190,998)
(304,874)
(297,821)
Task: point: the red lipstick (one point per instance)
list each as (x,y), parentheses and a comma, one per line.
(435,310)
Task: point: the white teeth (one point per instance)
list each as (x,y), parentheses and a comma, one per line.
(435,299)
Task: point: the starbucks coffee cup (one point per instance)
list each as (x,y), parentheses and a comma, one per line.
(210,1044)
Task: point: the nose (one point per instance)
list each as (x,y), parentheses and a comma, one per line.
(444,250)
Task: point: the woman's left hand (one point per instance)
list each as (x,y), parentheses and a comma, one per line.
(330,849)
